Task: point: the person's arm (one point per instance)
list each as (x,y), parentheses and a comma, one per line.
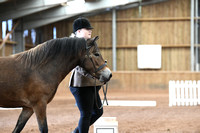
(83,72)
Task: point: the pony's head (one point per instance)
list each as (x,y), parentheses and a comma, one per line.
(93,62)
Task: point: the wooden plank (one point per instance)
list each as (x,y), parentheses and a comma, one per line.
(8,42)
(134,46)
(156,19)
(142,81)
(145,19)
(149,80)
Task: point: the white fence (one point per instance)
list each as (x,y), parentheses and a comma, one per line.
(184,93)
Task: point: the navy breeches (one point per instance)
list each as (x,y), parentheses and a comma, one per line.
(89,112)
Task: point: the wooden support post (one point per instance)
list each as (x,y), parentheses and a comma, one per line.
(6,38)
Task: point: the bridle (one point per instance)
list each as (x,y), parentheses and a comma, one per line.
(94,75)
(90,57)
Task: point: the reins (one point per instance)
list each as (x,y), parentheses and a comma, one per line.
(104,92)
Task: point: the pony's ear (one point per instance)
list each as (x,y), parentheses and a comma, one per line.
(91,42)
(94,39)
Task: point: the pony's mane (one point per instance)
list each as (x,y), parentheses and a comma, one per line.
(48,50)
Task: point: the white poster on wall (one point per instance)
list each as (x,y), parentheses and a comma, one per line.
(149,56)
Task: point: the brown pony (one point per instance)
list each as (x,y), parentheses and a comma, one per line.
(30,79)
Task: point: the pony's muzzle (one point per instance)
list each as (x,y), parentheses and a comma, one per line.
(106,75)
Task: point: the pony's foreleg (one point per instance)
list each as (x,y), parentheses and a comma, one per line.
(40,111)
(23,118)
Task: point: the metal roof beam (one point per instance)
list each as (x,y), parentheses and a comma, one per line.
(17,9)
(64,12)
(1,1)
(46,17)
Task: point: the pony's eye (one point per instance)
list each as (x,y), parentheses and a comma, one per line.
(97,54)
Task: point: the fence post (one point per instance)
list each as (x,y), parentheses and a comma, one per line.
(178,93)
(194,92)
(198,89)
(190,93)
(182,85)
(186,93)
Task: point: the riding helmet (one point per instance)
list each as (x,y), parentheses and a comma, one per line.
(80,23)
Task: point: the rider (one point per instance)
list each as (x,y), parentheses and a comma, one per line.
(82,84)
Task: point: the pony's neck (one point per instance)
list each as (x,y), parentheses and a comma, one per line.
(60,70)
(55,58)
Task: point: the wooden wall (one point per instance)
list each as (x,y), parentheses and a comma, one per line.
(63,28)
(165,23)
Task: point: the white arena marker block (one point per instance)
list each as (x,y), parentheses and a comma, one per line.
(106,125)
(9,108)
(131,103)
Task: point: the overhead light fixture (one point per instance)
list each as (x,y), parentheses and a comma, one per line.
(76,6)
(75,2)
(64,4)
